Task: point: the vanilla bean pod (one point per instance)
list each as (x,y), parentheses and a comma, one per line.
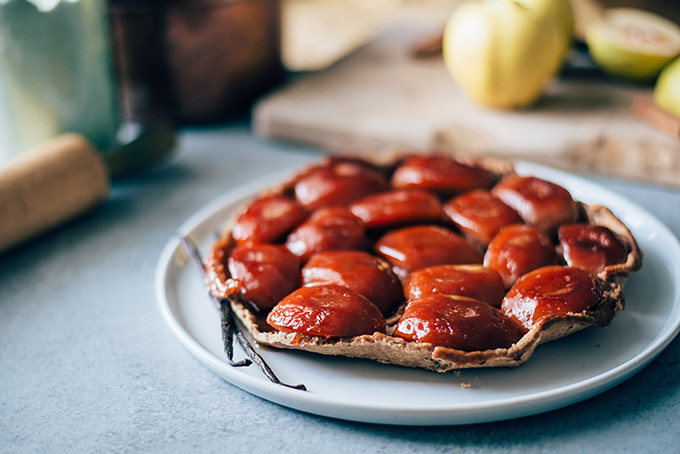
(231,329)
(228,334)
(259,360)
(223,306)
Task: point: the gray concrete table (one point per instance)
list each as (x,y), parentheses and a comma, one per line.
(88,365)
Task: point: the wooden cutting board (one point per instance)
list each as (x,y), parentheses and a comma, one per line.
(381,98)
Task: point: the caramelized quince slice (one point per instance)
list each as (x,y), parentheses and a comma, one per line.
(480,215)
(472,281)
(440,174)
(413,248)
(540,203)
(366,274)
(591,247)
(518,249)
(457,322)
(327,229)
(339,182)
(326,311)
(268,219)
(397,208)
(551,291)
(266,273)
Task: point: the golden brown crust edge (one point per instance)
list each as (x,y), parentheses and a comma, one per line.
(393,350)
(602,216)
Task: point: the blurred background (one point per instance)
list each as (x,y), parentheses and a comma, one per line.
(564,82)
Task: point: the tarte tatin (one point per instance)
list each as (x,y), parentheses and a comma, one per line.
(425,261)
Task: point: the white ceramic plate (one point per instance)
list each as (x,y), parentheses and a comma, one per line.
(558,374)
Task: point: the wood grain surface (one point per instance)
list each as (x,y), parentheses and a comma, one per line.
(381,98)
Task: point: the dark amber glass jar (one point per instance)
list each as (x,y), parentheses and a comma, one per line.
(194,61)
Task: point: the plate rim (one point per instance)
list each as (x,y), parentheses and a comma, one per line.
(439,414)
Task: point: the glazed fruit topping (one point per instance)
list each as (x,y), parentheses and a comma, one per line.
(414,248)
(518,249)
(327,229)
(473,281)
(366,274)
(327,311)
(457,322)
(268,220)
(538,202)
(397,208)
(339,182)
(591,247)
(445,253)
(266,273)
(479,215)
(440,174)
(551,291)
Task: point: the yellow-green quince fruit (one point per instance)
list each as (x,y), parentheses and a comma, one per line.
(632,44)
(502,52)
(560,13)
(559,10)
(667,88)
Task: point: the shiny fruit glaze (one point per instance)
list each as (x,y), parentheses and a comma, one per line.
(413,248)
(472,281)
(551,291)
(538,202)
(479,215)
(590,247)
(397,207)
(457,322)
(518,249)
(366,274)
(268,219)
(326,311)
(338,183)
(266,273)
(440,174)
(327,229)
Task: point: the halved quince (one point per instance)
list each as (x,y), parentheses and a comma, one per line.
(632,44)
